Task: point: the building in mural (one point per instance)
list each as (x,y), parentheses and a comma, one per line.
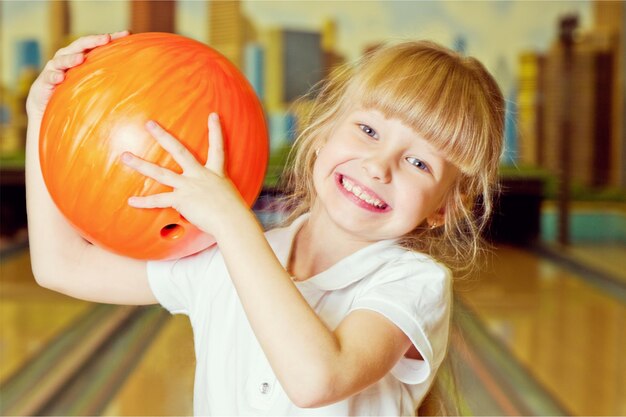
(530,110)
(254,67)
(60,29)
(597,143)
(331,59)
(294,63)
(610,21)
(230,30)
(153,16)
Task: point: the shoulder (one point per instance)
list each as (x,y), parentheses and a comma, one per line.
(410,285)
(422,265)
(412,282)
(414,270)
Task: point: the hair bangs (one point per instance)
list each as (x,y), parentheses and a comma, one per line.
(434,100)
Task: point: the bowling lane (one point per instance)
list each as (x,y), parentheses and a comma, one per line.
(606,257)
(162,382)
(30,316)
(567,333)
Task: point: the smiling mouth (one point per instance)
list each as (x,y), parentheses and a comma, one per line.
(364,197)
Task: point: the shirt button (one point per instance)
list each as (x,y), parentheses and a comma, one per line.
(264,388)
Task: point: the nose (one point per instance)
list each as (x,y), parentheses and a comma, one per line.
(377,166)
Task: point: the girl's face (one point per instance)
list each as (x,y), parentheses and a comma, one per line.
(376,178)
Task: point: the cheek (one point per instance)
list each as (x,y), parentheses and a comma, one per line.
(317,175)
(328,159)
(322,170)
(417,200)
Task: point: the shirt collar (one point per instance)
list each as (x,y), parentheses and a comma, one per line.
(345,272)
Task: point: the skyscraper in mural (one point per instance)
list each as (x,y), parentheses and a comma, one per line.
(229,30)
(254,67)
(460,44)
(28,57)
(152,16)
(610,22)
(582,104)
(331,59)
(294,64)
(530,107)
(303,60)
(597,141)
(508,85)
(60,25)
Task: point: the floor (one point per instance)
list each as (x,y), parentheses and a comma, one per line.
(564,333)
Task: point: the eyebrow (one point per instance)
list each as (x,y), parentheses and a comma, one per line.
(427,159)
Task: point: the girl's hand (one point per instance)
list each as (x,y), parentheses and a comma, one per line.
(54,71)
(201,194)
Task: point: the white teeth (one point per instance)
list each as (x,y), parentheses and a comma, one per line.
(357,191)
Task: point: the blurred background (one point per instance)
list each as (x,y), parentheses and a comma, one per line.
(540,330)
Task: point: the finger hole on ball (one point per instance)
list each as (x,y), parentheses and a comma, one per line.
(172,231)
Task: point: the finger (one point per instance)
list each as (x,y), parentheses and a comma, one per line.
(215,158)
(159,174)
(179,152)
(120,34)
(83,44)
(162,200)
(64,62)
(53,77)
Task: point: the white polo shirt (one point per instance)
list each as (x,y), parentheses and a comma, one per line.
(233,376)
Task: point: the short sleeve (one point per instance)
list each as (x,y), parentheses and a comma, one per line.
(176,283)
(416,296)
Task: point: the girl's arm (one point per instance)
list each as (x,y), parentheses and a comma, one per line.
(315,366)
(61,259)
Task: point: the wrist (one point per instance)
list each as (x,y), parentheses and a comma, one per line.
(32,110)
(238,224)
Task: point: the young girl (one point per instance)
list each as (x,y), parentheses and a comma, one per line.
(345,311)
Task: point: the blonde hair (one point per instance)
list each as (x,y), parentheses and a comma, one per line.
(450,100)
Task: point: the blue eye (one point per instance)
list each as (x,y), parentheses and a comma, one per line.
(418,164)
(368,131)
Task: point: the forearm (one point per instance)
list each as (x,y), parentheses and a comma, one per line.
(286,327)
(48,232)
(300,348)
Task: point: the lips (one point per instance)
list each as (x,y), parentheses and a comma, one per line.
(360,194)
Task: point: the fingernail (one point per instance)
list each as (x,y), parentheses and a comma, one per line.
(151,124)
(132,200)
(214,117)
(126,157)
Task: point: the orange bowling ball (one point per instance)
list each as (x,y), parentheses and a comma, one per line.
(100,111)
